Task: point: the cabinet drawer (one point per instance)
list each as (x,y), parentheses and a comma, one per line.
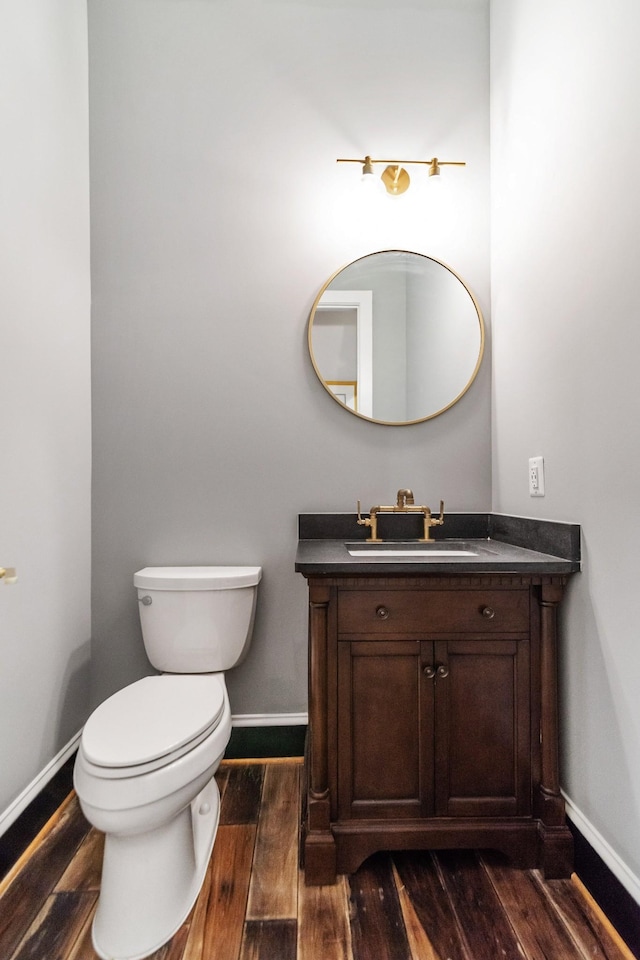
(385,612)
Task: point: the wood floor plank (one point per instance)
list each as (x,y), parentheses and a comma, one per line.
(194,947)
(243,790)
(432,928)
(273,893)
(222,775)
(217,921)
(83,947)
(37,841)
(323,921)
(269,940)
(174,949)
(85,870)
(56,927)
(483,922)
(537,925)
(377,925)
(583,920)
(23,898)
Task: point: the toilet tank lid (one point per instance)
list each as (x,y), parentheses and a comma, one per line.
(196,578)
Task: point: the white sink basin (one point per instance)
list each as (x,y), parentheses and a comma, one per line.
(422,550)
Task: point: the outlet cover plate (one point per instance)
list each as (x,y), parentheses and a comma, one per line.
(536,477)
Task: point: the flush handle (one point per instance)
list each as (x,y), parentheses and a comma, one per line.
(488,613)
(145,601)
(382,613)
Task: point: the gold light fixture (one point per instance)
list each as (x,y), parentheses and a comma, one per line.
(394,177)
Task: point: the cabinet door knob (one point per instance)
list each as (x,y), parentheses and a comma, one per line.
(442,671)
(488,613)
(382,613)
(429,672)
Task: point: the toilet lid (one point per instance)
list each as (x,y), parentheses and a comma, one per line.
(152,718)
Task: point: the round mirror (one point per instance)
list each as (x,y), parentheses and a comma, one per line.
(396,337)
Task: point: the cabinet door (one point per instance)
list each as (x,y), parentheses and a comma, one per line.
(482,728)
(385,749)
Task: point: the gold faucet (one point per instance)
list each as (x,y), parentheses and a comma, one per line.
(405,503)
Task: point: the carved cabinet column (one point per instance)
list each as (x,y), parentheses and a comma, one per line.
(319,850)
(557,846)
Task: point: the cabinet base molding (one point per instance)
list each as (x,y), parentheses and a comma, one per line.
(556,851)
(319,860)
(528,844)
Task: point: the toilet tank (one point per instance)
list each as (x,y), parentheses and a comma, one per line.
(196,619)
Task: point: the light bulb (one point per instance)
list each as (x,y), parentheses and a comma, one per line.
(370,180)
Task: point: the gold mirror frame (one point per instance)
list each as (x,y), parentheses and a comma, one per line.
(327,384)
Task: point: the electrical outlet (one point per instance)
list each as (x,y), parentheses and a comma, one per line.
(536,477)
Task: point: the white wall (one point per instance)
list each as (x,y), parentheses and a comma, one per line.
(44,375)
(566,248)
(218,212)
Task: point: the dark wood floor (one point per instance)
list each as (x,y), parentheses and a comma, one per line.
(254,904)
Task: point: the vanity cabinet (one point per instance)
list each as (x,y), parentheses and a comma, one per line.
(433,719)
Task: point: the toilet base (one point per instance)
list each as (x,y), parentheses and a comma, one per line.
(150,881)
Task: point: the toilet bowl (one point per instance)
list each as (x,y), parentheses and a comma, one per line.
(144,772)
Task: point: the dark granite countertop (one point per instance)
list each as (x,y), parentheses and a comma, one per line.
(476,543)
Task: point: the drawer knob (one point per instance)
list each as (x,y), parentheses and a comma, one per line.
(429,672)
(382,613)
(488,613)
(442,671)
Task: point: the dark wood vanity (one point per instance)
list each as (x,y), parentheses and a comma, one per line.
(433,718)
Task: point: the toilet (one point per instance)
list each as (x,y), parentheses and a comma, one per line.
(144,773)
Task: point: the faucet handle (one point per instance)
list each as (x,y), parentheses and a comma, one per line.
(363,521)
(441,517)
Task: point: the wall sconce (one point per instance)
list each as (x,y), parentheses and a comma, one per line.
(394,177)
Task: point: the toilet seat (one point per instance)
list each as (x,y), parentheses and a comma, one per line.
(151,723)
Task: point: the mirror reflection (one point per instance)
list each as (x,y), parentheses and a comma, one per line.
(396,337)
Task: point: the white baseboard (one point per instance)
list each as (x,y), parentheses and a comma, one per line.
(39,782)
(270,719)
(605,851)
